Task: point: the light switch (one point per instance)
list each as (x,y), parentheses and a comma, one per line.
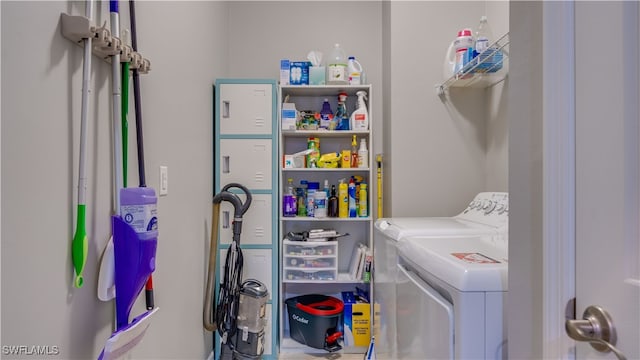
(164,180)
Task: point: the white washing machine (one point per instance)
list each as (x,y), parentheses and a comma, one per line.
(486,215)
(451,289)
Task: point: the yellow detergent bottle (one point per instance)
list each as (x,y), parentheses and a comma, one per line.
(363,208)
(343,199)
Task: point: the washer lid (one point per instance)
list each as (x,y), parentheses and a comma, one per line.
(397,228)
(466,263)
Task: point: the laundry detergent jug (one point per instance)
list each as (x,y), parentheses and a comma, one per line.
(456,54)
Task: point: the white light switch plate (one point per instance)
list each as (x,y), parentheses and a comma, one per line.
(164,180)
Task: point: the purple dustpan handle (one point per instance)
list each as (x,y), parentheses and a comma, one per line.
(134,255)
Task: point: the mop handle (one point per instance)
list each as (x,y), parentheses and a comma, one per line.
(116,84)
(136,99)
(80,243)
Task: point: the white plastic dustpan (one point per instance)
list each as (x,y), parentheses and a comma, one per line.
(106,274)
(123,340)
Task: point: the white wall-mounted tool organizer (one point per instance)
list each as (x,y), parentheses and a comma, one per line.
(77,27)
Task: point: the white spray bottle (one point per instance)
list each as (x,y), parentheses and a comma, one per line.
(360,117)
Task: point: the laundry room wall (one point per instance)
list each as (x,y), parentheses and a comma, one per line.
(290,29)
(41,92)
(440,152)
(437,153)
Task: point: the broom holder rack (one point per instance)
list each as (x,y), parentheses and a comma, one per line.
(76,28)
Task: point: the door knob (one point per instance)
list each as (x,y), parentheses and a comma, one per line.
(596,327)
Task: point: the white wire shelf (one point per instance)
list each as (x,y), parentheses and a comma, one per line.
(484,70)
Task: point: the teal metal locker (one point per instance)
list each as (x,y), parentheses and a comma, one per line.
(246,152)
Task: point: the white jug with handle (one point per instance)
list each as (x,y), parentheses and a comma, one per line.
(454,59)
(449,65)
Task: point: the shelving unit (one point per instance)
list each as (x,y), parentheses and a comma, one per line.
(482,71)
(360,229)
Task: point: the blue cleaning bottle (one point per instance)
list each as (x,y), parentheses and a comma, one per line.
(342,117)
(352,198)
(326,115)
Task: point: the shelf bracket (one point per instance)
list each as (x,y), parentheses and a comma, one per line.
(76,28)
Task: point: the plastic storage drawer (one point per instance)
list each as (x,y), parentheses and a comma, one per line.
(309,261)
(310,248)
(303,262)
(295,275)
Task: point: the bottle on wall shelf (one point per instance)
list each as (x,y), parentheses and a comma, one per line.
(333,203)
(462,44)
(311,199)
(363,154)
(343,199)
(488,59)
(326,115)
(360,117)
(320,204)
(354,69)
(352,198)
(337,67)
(363,209)
(289,201)
(342,117)
(301,195)
(354,152)
(483,36)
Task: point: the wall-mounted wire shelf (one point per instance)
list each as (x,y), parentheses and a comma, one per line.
(484,70)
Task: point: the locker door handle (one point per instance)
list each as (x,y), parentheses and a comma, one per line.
(225,164)
(226,104)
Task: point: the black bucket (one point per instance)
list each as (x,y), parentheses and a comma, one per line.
(314,320)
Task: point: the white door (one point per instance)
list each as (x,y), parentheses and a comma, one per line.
(608,169)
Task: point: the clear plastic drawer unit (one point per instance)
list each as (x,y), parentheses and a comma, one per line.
(306,261)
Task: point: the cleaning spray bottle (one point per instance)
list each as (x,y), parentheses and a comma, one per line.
(343,199)
(342,117)
(352,198)
(360,117)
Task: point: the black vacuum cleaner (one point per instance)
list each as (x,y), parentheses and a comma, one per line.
(239,316)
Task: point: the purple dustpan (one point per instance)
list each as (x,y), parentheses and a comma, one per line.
(134,255)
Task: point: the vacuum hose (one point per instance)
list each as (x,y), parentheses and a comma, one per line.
(210,323)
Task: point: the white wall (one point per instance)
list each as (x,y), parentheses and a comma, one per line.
(440,153)
(41,91)
(263,32)
(526,225)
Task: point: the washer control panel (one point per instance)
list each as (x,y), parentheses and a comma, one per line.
(491,208)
